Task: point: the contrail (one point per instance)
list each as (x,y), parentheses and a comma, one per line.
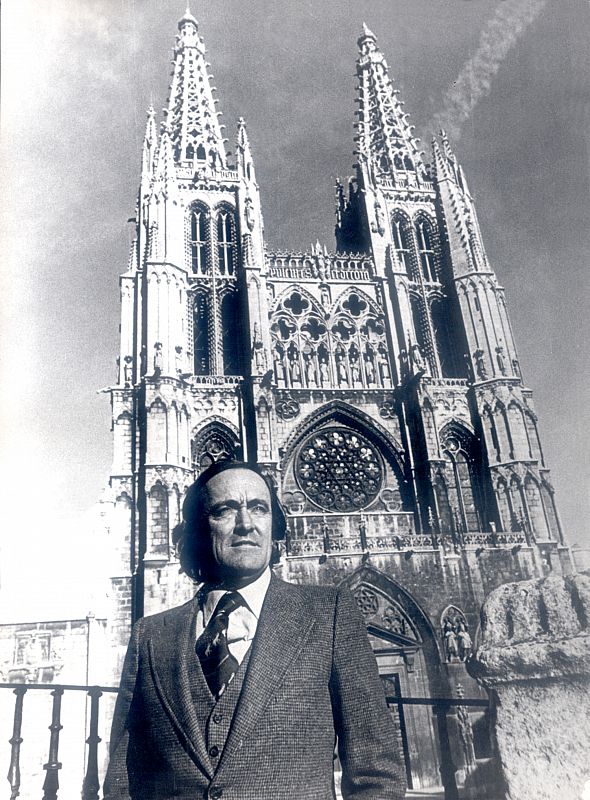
(500,33)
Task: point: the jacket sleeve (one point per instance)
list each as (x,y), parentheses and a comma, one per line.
(372,768)
(116,783)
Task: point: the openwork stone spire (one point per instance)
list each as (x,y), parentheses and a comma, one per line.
(384,135)
(194,129)
(451,179)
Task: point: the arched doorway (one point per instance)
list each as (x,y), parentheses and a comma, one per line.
(409,663)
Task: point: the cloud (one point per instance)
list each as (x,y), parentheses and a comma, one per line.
(498,36)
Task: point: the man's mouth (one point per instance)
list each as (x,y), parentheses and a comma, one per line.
(245,543)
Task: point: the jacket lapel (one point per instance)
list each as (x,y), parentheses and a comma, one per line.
(169,654)
(284,626)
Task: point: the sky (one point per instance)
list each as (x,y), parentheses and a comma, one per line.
(507,78)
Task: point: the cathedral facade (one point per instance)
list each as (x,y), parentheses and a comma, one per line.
(378,383)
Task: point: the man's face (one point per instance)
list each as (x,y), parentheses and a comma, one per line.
(239,516)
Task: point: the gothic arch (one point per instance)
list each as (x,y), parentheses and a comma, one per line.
(403,241)
(159,531)
(372,307)
(215,442)
(225,238)
(349,416)
(289,291)
(464,490)
(426,238)
(536,508)
(426,635)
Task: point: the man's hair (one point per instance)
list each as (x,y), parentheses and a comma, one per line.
(191,536)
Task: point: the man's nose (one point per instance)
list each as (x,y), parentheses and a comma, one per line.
(244,520)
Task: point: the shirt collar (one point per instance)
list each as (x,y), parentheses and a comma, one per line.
(253,595)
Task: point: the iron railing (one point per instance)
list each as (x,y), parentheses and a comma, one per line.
(441,707)
(91,784)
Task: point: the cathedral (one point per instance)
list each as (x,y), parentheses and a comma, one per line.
(377,382)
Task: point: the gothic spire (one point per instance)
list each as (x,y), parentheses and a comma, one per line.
(384,135)
(195,132)
(452,184)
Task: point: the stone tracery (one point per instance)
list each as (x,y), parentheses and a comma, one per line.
(339,470)
(345,349)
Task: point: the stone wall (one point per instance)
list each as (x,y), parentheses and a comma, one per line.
(534,658)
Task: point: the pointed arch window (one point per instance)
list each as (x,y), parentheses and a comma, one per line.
(225,243)
(199,245)
(215,443)
(402,241)
(201,335)
(158,502)
(230,334)
(463,489)
(425,238)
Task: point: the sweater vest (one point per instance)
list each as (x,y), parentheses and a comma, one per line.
(215,716)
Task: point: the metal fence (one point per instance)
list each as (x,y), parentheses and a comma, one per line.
(443,709)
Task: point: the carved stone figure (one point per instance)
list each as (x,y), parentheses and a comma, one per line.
(450,638)
(324,372)
(341,368)
(369,367)
(418,363)
(280,371)
(294,367)
(178,359)
(382,365)
(249,209)
(355,372)
(464,641)
(480,366)
(128,370)
(501,360)
(158,357)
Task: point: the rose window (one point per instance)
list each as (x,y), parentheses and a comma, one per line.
(339,470)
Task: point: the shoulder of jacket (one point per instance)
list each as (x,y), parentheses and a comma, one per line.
(163,618)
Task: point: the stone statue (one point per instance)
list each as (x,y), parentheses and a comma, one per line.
(418,363)
(450,639)
(310,369)
(249,210)
(404,364)
(158,358)
(295,369)
(178,359)
(501,360)
(464,641)
(280,371)
(382,365)
(128,370)
(341,368)
(355,372)
(324,372)
(369,367)
(480,366)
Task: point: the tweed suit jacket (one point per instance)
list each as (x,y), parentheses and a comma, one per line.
(311,680)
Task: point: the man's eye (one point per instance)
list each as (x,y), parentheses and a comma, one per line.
(222,511)
(259,509)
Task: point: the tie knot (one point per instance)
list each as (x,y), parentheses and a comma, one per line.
(228,603)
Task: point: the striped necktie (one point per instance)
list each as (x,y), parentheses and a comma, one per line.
(218,664)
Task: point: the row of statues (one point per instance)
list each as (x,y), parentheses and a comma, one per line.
(347,368)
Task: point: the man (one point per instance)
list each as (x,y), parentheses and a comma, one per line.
(243,692)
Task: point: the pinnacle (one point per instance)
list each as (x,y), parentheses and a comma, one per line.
(187,17)
(368,33)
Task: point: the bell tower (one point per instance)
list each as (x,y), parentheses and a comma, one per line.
(193,342)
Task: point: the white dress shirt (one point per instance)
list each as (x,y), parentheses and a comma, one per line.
(243,621)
